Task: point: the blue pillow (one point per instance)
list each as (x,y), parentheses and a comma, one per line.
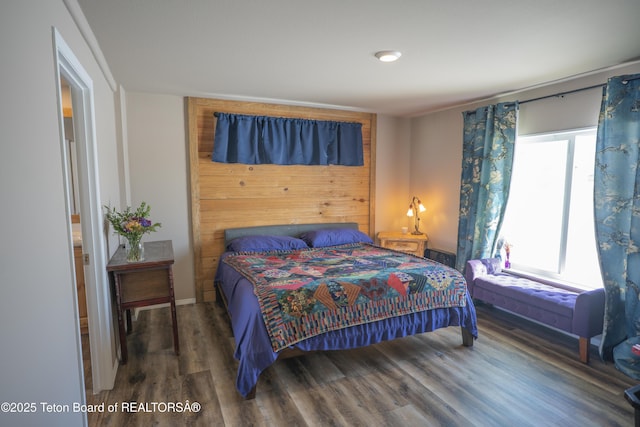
(334,236)
(265,243)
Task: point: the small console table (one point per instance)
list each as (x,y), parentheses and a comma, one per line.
(143,283)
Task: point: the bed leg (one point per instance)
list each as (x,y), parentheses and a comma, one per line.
(467,337)
(218,294)
(252,394)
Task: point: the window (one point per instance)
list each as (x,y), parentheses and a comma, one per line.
(549,215)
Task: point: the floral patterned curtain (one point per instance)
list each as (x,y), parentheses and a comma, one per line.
(487,159)
(617,215)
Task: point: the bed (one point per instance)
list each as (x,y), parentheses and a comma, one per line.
(335,291)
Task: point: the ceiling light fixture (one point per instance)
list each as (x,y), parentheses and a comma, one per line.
(388,55)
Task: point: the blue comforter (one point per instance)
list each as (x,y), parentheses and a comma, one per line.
(253,344)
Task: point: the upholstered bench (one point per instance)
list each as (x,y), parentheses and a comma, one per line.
(571,310)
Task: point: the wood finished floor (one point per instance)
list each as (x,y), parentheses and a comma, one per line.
(517,374)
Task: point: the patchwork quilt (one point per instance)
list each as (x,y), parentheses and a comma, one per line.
(303,293)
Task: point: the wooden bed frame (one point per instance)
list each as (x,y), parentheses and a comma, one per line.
(294,231)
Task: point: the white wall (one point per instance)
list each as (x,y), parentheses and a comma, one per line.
(436,147)
(39,331)
(436,144)
(392,173)
(159,174)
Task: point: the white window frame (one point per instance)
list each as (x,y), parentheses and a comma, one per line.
(559,274)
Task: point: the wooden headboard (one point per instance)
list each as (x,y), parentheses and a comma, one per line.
(227,195)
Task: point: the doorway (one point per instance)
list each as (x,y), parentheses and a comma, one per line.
(73,199)
(83,199)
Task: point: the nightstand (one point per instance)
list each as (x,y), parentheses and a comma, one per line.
(143,283)
(414,244)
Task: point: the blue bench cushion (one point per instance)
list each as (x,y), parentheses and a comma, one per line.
(545,303)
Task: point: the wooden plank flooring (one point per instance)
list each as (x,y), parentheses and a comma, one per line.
(517,373)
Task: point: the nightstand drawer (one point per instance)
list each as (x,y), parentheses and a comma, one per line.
(403,246)
(414,244)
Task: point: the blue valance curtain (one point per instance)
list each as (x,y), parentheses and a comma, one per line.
(617,218)
(487,158)
(286,141)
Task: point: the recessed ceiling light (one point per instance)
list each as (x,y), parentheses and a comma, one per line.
(388,55)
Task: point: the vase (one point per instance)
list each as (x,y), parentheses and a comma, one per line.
(135,249)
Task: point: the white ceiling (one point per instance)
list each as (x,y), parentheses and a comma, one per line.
(320,52)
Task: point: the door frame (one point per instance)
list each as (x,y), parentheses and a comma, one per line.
(99,310)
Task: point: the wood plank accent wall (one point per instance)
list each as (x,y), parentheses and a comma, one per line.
(227,195)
